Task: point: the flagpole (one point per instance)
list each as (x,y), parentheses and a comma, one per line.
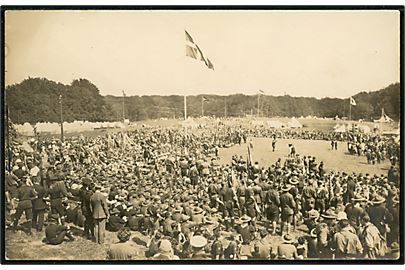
(123,106)
(202,106)
(185,107)
(225,106)
(61,118)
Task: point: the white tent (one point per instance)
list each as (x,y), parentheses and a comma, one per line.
(274,124)
(293,123)
(189,123)
(340,128)
(26,129)
(384,118)
(365,129)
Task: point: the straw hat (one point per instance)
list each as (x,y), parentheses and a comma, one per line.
(198,241)
(313,233)
(341,216)
(245,219)
(329,214)
(165,246)
(313,213)
(286,188)
(288,238)
(378,200)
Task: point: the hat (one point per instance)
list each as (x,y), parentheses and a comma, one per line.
(18,161)
(198,241)
(53,217)
(313,214)
(341,216)
(378,199)
(329,214)
(294,181)
(288,238)
(395,199)
(358,198)
(245,218)
(286,188)
(197,210)
(124,235)
(165,246)
(313,233)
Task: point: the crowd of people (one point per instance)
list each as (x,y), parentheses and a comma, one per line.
(168,186)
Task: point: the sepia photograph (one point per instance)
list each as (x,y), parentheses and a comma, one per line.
(211,135)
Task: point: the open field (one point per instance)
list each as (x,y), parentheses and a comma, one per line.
(333,160)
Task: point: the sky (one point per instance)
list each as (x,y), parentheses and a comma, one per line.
(299,53)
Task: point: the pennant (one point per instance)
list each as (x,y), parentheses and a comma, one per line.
(205,99)
(261,92)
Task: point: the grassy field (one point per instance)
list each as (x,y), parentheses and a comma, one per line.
(332,159)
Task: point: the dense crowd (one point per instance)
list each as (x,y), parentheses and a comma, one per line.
(169,186)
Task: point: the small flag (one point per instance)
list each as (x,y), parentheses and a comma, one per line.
(205,99)
(60,99)
(193,51)
(261,92)
(352,101)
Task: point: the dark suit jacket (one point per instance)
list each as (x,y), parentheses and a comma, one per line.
(98,205)
(39,203)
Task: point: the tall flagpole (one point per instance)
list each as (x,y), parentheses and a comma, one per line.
(185,107)
(123,106)
(225,106)
(202,106)
(61,118)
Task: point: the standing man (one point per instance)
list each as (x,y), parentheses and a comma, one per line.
(25,194)
(273,143)
(38,205)
(85,194)
(99,209)
(287,205)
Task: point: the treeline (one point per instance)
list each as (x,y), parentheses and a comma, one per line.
(151,107)
(37,100)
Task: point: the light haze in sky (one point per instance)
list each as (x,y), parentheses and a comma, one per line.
(300,53)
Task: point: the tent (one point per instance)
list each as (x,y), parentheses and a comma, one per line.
(384,118)
(274,124)
(26,129)
(340,128)
(293,123)
(189,123)
(364,128)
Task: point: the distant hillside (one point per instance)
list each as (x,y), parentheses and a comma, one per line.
(37,100)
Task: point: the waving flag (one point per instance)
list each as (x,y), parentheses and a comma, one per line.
(261,92)
(352,102)
(205,99)
(193,51)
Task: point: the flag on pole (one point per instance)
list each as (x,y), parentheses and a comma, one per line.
(193,51)
(352,102)
(261,92)
(205,99)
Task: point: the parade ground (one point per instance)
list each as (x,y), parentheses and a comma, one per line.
(339,160)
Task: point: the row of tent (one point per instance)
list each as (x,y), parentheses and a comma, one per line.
(54,128)
(292,123)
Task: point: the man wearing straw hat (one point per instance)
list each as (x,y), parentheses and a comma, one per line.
(287,205)
(198,242)
(287,250)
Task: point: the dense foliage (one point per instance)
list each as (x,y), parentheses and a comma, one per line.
(37,100)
